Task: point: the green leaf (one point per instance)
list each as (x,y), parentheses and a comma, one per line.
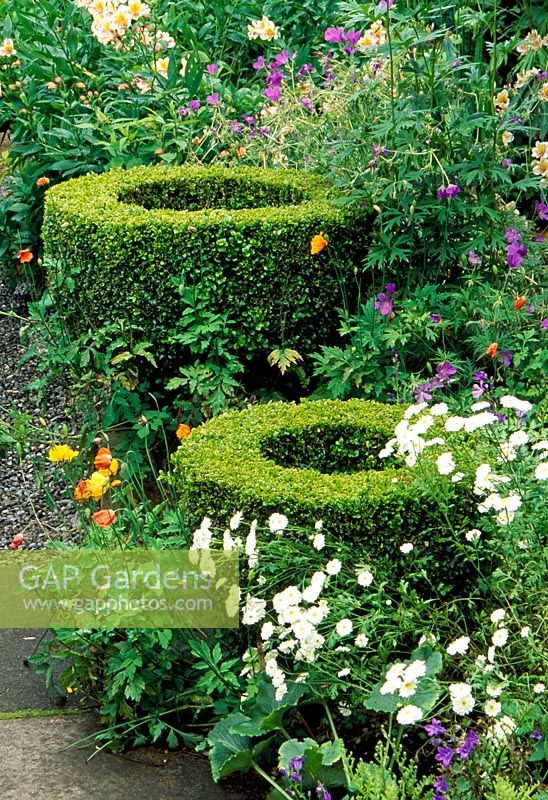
(231,752)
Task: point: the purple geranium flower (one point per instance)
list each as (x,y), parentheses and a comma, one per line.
(444,755)
(390,288)
(474,258)
(422,392)
(515,253)
(306,69)
(282,58)
(212,69)
(307,103)
(236,126)
(512,235)
(536,735)
(436,319)
(384,5)
(506,163)
(274,77)
(273,93)
(434,728)
(194,105)
(468,745)
(506,357)
(542,210)
(445,192)
(212,99)
(544,324)
(259,64)
(440,784)
(334,35)
(384,304)
(184,111)
(445,370)
(352,37)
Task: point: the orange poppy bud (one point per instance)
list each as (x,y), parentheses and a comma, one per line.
(317,243)
(25,256)
(182,431)
(492,350)
(520,302)
(103,459)
(104,517)
(43,181)
(241,152)
(17,541)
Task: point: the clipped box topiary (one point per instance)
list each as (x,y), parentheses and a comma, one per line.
(315,460)
(113,243)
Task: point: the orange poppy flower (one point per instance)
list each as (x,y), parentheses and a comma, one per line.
(317,243)
(104,517)
(82,492)
(183,431)
(43,181)
(25,256)
(492,350)
(520,302)
(103,459)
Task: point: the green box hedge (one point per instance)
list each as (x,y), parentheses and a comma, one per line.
(114,242)
(283,457)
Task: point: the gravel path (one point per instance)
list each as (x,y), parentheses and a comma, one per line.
(24,506)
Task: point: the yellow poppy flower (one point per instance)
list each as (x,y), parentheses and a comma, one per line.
(98,484)
(62,452)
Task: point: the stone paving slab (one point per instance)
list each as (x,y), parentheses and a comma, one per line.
(35,765)
(20,686)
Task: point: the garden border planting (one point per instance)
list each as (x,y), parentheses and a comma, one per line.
(108,257)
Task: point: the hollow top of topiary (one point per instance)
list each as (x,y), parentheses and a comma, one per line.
(238,462)
(191,195)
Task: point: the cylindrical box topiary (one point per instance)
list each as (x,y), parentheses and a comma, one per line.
(118,245)
(310,461)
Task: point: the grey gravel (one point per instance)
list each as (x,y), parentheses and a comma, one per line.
(24,505)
